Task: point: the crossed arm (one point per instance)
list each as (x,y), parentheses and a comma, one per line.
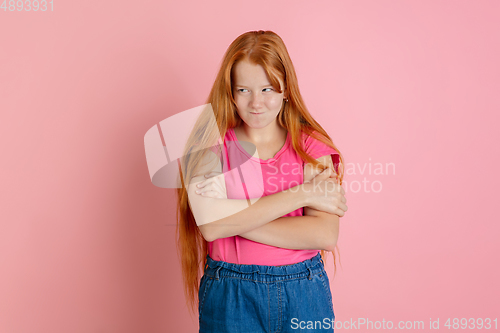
(316,230)
(263,220)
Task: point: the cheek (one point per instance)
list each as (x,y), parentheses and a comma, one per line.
(274,102)
(240,107)
(240,100)
(238,103)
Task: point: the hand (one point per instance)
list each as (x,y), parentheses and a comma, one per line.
(214,186)
(325,194)
(326,174)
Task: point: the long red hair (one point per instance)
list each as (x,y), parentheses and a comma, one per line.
(267,49)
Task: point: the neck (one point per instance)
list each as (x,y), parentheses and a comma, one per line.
(258,136)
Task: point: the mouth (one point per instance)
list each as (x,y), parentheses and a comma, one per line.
(256,112)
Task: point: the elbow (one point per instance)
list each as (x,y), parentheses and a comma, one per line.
(331,241)
(208,238)
(211,231)
(330,246)
(331,233)
(207,233)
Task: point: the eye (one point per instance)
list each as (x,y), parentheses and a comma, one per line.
(240,90)
(268,88)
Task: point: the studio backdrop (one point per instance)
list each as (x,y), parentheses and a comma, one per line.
(407,90)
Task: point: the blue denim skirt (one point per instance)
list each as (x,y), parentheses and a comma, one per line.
(255,298)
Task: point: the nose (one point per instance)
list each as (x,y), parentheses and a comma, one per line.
(257,100)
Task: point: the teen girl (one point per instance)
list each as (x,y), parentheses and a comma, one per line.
(260,206)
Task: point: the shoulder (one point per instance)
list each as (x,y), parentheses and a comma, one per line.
(311,139)
(219,146)
(314,147)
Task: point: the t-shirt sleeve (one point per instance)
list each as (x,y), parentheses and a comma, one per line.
(316,149)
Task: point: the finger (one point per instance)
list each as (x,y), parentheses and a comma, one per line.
(214,187)
(332,185)
(341,197)
(208,187)
(203,187)
(205,182)
(204,190)
(212,174)
(323,174)
(202,184)
(339,211)
(332,180)
(326,172)
(343,206)
(216,179)
(210,194)
(216,194)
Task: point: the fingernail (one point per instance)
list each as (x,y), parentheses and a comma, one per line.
(198,191)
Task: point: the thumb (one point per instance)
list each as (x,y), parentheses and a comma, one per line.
(326,171)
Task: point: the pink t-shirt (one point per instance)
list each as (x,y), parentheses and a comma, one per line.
(250,177)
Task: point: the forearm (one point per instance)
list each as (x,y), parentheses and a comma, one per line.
(228,217)
(298,232)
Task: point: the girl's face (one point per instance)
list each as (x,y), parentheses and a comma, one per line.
(257,102)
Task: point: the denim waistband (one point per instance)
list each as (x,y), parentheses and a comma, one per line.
(307,267)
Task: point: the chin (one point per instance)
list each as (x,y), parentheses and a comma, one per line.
(259,121)
(259,125)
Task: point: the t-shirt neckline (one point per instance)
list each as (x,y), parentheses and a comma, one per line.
(272,159)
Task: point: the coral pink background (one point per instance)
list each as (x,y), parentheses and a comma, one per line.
(87,241)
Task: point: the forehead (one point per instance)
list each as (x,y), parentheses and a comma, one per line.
(248,73)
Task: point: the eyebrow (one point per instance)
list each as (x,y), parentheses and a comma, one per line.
(242,86)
